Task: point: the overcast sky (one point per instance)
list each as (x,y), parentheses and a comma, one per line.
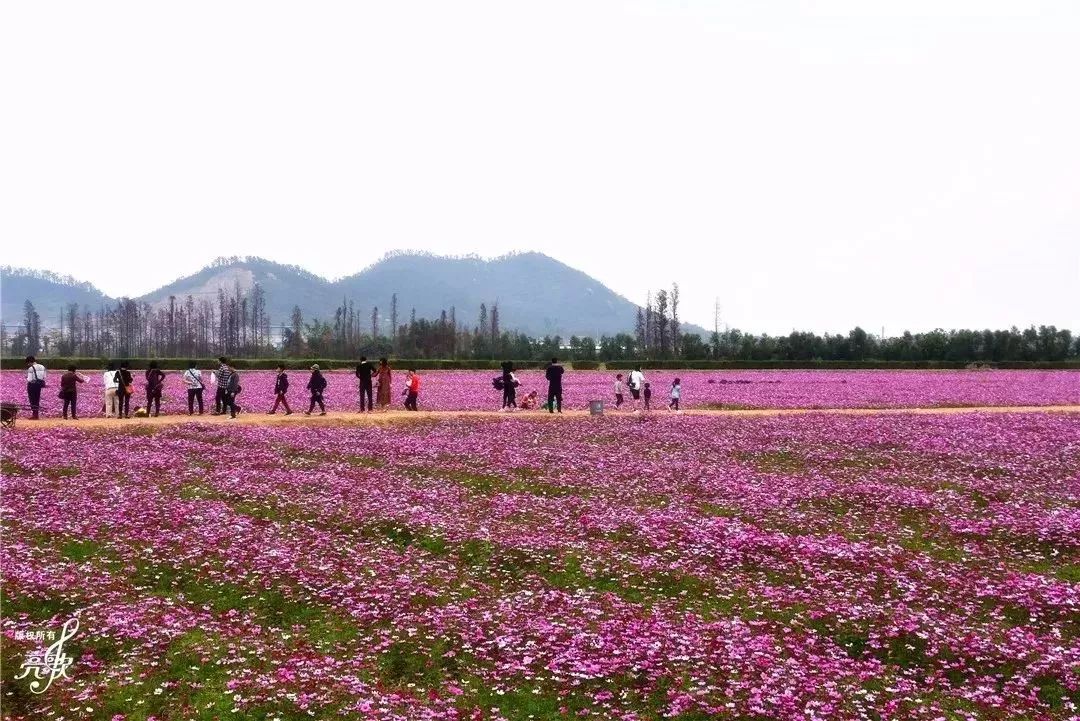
(813,165)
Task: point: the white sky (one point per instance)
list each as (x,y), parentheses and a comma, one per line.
(815,165)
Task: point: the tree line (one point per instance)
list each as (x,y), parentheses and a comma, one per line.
(237,324)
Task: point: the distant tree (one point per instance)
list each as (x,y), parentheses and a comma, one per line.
(675,320)
(296,331)
(393,316)
(31,328)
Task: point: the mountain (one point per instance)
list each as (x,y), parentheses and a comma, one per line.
(48,292)
(536,294)
(285,286)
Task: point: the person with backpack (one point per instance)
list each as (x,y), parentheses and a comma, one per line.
(155,382)
(69,391)
(222,382)
(316,385)
(364,372)
(509,383)
(281,388)
(35,381)
(554,374)
(125,388)
(412,390)
(193,382)
(232,390)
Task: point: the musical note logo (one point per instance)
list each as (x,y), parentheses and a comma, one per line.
(53,664)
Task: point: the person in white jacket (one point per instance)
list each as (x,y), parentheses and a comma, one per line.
(110,407)
(636,381)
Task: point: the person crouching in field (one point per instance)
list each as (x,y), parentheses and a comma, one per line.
(316,385)
(412,390)
(618,390)
(647,395)
(676,394)
(193,382)
(281,388)
(69,391)
(125,388)
(108,408)
(532,400)
(155,382)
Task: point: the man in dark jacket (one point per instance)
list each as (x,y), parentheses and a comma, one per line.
(281,387)
(316,385)
(364,372)
(554,375)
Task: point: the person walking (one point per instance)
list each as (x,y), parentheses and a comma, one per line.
(155,382)
(554,374)
(193,382)
(125,387)
(222,383)
(618,390)
(383,384)
(232,390)
(316,385)
(108,409)
(646,393)
(636,382)
(412,390)
(676,394)
(69,391)
(365,371)
(35,381)
(281,388)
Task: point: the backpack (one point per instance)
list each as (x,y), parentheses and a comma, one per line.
(498,383)
(234,386)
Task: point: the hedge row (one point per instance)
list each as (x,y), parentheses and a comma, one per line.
(473,364)
(830,364)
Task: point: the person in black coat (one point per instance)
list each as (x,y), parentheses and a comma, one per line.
(155,383)
(124,390)
(281,388)
(509,384)
(365,371)
(316,385)
(554,374)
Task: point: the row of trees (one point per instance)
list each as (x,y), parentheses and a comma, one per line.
(237,324)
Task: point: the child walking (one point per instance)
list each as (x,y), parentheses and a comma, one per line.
(281,388)
(412,390)
(676,394)
(618,390)
(647,393)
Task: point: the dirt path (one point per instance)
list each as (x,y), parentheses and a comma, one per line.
(339,417)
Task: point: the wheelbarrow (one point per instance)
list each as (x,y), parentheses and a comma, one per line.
(8,411)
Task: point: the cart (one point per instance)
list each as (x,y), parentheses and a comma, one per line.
(8,411)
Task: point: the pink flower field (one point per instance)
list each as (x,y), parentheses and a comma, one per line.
(666,567)
(472,390)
